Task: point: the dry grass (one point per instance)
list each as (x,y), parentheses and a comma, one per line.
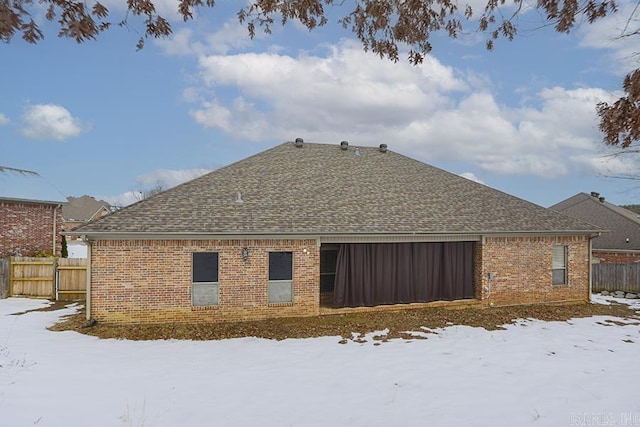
(397,322)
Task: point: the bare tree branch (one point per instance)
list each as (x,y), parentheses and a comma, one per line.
(382,26)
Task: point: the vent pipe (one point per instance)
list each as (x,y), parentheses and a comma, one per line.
(383,148)
(239,197)
(344,145)
(298,142)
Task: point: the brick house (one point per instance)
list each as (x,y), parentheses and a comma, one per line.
(80,210)
(621,241)
(30,214)
(305,229)
(76,212)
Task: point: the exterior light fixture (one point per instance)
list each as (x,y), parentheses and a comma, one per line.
(245,253)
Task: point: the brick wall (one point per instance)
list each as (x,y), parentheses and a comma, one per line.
(150,281)
(617,257)
(27,228)
(522,270)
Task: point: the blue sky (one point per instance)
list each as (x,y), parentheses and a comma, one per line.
(105,120)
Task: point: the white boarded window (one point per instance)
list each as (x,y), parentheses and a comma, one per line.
(280,286)
(559,268)
(204,279)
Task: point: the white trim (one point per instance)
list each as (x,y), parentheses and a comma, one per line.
(327,237)
(590,268)
(55,211)
(616,251)
(88,290)
(384,238)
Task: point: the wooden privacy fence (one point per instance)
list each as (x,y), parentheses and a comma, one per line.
(71,278)
(32,277)
(616,277)
(4,277)
(53,278)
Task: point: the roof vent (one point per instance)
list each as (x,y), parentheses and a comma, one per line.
(601,199)
(344,145)
(595,194)
(298,142)
(239,197)
(383,148)
(357,152)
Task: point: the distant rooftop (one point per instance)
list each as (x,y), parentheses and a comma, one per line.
(622,225)
(21,184)
(83,208)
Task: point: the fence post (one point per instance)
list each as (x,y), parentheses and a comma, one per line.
(56,280)
(4,277)
(11,259)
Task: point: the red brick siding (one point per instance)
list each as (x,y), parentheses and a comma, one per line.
(522,270)
(150,281)
(617,257)
(477,269)
(27,228)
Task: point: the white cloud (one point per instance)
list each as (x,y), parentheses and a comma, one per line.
(231,36)
(214,115)
(478,6)
(124,199)
(538,140)
(49,121)
(621,164)
(471,176)
(180,43)
(170,178)
(3,119)
(165,8)
(348,92)
(431,112)
(608,33)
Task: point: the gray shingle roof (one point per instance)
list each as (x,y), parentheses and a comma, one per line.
(321,189)
(621,223)
(82,208)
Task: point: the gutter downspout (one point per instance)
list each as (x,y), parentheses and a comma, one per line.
(591,267)
(55,210)
(88,289)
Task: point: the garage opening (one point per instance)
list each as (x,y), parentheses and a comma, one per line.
(370,274)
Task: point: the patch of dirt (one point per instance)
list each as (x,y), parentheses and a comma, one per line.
(345,325)
(53,306)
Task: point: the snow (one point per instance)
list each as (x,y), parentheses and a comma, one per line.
(77,249)
(578,372)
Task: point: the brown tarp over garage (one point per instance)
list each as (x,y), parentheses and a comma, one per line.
(369,274)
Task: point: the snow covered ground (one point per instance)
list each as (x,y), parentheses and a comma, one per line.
(580,372)
(77,249)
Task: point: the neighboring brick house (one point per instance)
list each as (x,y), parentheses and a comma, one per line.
(620,243)
(80,210)
(301,229)
(30,214)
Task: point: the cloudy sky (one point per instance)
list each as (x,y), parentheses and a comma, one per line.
(106,120)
